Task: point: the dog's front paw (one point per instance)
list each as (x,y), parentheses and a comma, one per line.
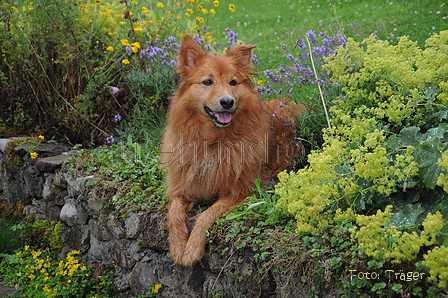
(192,254)
(177,254)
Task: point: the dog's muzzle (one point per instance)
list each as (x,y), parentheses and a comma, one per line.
(222,117)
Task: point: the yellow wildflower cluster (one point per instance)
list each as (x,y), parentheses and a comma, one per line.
(381,242)
(39,269)
(147,20)
(307,193)
(69,267)
(336,176)
(385,88)
(390,82)
(437,261)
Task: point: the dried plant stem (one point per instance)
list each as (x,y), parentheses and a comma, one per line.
(317,82)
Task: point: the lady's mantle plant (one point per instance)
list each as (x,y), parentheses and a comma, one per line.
(388,146)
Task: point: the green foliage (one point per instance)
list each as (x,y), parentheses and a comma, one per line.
(8,238)
(60,60)
(126,173)
(41,234)
(38,273)
(387,146)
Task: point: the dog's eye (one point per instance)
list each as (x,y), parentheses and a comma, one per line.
(233,83)
(208,82)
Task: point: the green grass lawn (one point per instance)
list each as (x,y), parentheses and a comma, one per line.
(268,23)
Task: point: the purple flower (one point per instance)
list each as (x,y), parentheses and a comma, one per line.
(312,37)
(110,139)
(255,60)
(114,90)
(198,39)
(291,58)
(117,117)
(233,37)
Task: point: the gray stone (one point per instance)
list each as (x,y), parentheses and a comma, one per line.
(69,213)
(49,190)
(95,250)
(59,179)
(121,282)
(4,143)
(76,236)
(95,204)
(124,250)
(50,148)
(132,226)
(115,226)
(33,182)
(81,206)
(151,232)
(142,277)
(99,230)
(52,213)
(76,185)
(50,164)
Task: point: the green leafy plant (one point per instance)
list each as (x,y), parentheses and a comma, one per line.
(386,146)
(38,273)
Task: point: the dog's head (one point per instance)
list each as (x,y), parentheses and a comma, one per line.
(215,84)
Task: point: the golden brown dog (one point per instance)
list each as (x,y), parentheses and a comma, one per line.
(220,137)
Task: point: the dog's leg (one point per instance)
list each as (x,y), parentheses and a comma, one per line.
(196,243)
(177,227)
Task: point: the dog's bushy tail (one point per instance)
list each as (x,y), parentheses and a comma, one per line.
(283,144)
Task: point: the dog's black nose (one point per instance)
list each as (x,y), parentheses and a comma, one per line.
(226,102)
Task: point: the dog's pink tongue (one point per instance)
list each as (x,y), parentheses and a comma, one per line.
(224,117)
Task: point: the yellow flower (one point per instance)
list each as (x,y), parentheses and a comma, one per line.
(156,288)
(110,48)
(160,5)
(125,61)
(216,3)
(136,45)
(125,42)
(27,247)
(200,20)
(138,29)
(197,27)
(212,11)
(260,82)
(41,137)
(33,155)
(232,7)
(97,2)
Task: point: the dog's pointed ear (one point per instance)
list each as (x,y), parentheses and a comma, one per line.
(190,53)
(242,54)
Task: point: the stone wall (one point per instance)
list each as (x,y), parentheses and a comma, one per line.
(137,246)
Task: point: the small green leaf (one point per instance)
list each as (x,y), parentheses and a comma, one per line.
(407,217)
(408,136)
(427,156)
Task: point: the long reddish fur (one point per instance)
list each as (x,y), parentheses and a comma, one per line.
(204,161)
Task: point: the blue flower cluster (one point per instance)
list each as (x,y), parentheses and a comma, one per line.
(298,71)
(162,53)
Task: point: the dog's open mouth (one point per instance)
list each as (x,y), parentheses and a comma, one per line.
(221,119)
